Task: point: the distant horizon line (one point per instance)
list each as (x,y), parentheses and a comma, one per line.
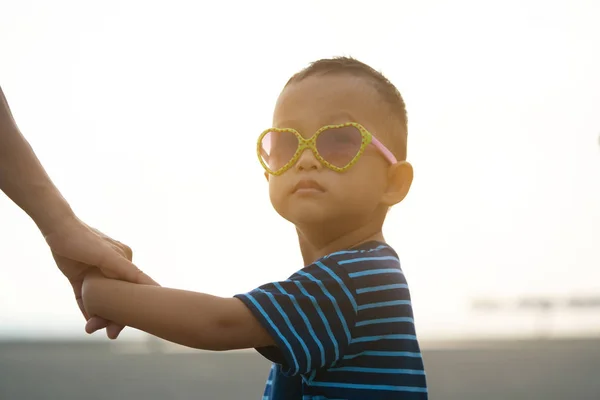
(150,344)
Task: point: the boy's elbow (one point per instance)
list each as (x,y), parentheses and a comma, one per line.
(219,337)
(233,328)
(239,329)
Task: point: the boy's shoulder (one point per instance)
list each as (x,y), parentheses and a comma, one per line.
(371,251)
(367,259)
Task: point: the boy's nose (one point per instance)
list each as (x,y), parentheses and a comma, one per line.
(307,161)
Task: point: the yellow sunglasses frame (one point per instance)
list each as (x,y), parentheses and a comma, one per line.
(311,143)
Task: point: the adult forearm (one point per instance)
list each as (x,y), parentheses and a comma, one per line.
(23,178)
(191,319)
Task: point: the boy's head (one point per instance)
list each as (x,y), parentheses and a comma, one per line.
(350,181)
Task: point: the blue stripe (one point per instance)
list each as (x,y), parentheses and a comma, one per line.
(340,282)
(306,321)
(333,301)
(384,354)
(414,389)
(384,304)
(375,272)
(383,337)
(384,321)
(290,326)
(323,318)
(380,370)
(382,287)
(361,259)
(268,319)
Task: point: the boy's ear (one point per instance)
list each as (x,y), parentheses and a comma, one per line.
(400,177)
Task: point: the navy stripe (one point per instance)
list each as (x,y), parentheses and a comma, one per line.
(371,387)
(384,354)
(384,321)
(384,304)
(384,337)
(375,272)
(382,287)
(380,370)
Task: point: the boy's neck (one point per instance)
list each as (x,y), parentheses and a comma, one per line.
(314,247)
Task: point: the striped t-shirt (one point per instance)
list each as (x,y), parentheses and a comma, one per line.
(344,329)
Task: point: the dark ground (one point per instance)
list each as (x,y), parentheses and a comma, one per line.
(525,370)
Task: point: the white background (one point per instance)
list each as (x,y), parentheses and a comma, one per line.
(146,113)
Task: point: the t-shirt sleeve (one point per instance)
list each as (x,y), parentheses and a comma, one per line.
(309,316)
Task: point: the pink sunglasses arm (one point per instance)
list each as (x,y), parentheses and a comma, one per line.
(386,153)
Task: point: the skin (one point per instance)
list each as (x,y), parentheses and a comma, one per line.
(349,211)
(76,247)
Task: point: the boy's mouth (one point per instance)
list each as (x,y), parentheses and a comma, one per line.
(307,186)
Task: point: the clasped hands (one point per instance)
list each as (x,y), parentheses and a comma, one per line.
(79,250)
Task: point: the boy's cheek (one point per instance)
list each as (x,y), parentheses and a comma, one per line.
(277,187)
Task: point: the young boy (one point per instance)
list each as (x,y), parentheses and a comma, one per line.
(342,327)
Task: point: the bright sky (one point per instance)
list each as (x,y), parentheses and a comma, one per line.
(146,113)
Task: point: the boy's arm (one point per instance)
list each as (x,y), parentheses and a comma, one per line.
(191,319)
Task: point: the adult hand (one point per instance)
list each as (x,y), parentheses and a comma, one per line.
(78,248)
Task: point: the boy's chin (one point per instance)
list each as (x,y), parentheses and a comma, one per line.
(307,216)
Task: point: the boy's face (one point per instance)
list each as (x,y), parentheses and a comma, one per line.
(309,194)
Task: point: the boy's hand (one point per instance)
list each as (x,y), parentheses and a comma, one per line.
(93,289)
(94,323)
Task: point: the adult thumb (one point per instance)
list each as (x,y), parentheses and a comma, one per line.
(115,265)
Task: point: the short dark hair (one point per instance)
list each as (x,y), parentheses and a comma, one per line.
(386,89)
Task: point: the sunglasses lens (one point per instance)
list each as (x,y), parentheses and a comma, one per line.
(278,148)
(339,146)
